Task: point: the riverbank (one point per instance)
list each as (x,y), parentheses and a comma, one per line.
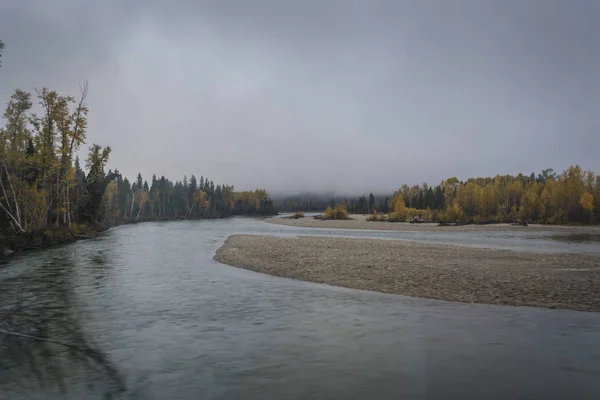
(50,236)
(358,221)
(445,272)
(47,237)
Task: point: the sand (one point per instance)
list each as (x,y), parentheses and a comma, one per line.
(454,273)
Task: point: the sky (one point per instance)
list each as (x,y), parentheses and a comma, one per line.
(349,96)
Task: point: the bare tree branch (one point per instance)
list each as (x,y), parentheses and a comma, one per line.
(13,190)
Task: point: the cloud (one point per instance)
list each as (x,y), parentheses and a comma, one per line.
(337,95)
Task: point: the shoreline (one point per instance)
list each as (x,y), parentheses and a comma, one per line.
(434,271)
(359,221)
(65,235)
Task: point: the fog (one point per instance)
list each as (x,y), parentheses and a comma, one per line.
(344,96)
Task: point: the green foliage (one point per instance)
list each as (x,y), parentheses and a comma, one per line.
(96,181)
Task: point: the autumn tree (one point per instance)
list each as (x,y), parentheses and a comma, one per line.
(488,202)
(531,205)
(587,203)
(141,199)
(110,203)
(339,211)
(400,212)
(573,179)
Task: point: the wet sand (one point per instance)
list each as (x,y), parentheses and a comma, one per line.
(360,222)
(454,273)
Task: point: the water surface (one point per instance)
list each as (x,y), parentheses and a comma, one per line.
(181,326)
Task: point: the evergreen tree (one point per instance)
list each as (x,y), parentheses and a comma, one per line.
(95,183)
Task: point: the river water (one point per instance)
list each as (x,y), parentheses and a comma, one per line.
(152,316)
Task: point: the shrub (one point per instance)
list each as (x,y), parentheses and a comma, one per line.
(454,213)
(400,211)
(339,212)
(298,215)
(397,217)
(377,217)
(419,213)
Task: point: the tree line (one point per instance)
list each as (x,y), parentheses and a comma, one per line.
(162,198)
(572,196)
(43,187)
(569,197)
(318,202)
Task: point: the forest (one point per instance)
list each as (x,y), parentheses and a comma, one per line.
(569,197)
(47,196)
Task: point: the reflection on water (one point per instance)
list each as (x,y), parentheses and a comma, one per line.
(168,322)
(44,350)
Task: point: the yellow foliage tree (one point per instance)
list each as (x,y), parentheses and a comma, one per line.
(339,212)
(487,201)
(141,198)
(400,212)
(110,202)
(455,212)
(531,206)
(587,202)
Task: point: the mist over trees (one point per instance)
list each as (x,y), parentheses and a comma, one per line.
(572,196)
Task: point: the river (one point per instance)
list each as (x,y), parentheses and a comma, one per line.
(152,316)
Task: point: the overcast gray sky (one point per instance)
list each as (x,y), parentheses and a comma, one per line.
(343,95)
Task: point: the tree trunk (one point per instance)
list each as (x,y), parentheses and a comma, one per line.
(12,217)
(4,192)
(57,222)
(68,209)
(14,193)
(132,201)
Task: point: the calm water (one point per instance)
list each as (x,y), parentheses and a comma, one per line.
(168,322)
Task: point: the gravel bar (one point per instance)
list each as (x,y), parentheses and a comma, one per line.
(445,272)
(360,222)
